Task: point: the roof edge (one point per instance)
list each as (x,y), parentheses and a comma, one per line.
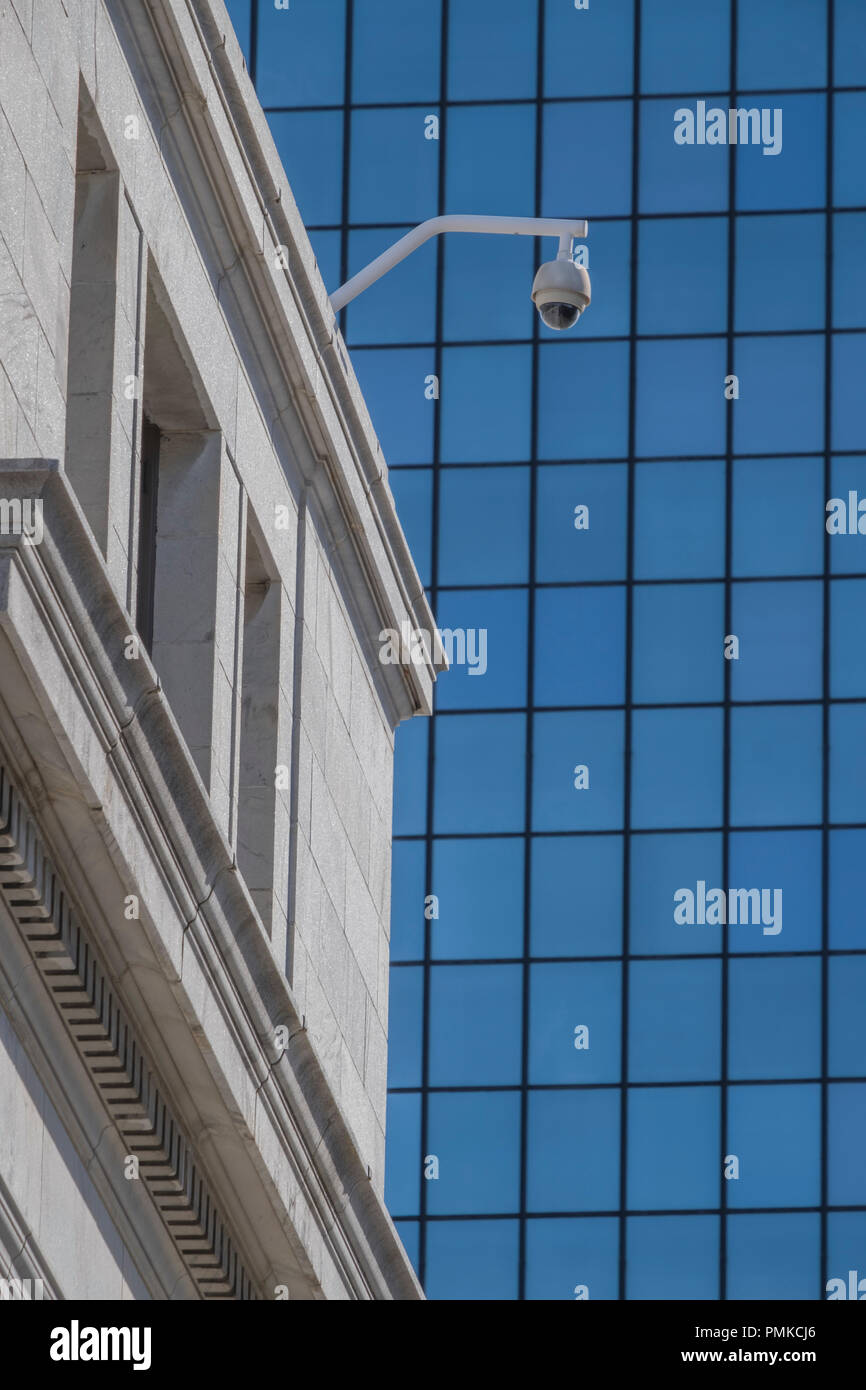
(327,395)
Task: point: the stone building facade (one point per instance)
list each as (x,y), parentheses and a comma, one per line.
(198,552)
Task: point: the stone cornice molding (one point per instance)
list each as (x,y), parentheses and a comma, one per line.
(115,1060)
(120,802)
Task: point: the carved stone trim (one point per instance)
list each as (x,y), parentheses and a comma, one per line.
(38,902)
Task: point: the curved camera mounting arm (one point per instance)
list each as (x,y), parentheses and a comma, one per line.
(565,228)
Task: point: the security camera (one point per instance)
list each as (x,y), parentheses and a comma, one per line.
(561,292)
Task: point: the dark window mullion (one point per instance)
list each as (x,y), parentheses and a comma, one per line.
(147,532)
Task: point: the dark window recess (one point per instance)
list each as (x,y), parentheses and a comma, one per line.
(147,532)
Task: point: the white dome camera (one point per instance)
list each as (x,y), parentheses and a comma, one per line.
(561,292)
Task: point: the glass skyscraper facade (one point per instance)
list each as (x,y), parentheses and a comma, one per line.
(628,1035)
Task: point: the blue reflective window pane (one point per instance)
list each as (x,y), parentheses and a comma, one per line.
(846,1248)
(300,53)
(491,160)
(847,889)
(470,1260)
(395,50)
(486,404)
(407,899)
(413,493)
(573,1253)
(479,776)
(679,528)
(570,1005)
(683,275)
(675,1020)
(673,1147)
(783,407)
(676,774)
(847,1039)
(492,50)
(849,269)
(410,777)
(774,289)
(563,746)
(407,294)
(609,263)
(782,43)
(679,178)
(774,1018)
(775,1132)
(848,639)
(776,765)
(849,174)
(660,866)
(403,1169)
(475,1025)
(482,526)
(591,48)
(780,629)
(239,14)
(848,763)
(310,145)
(794,176)
(587,147)
(789,860)
(848,534)
(583,400)
(684,47)
(394,168)
(573,1151)
(849,369)
(672,1257)
(849,42)
(680,401)
(393,386)
(582,523)
(487,648)
(778,516)
(405,1017)
(487,277)
(576,903)
(580,646)
(677,643)
(846,1141)
(476,1137)
(773,1256)
(479,887)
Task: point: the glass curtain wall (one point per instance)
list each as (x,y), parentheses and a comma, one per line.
(627,1050)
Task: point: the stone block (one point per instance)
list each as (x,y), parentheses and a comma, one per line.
(13,184)
(19,338)
(8,417)
(51,406)
(328,841)
(354,1020)
(41,262)
(362,924)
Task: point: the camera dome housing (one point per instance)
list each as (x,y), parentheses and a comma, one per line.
(560,292)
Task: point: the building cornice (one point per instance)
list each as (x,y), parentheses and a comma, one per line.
(121,806)
(63,953)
